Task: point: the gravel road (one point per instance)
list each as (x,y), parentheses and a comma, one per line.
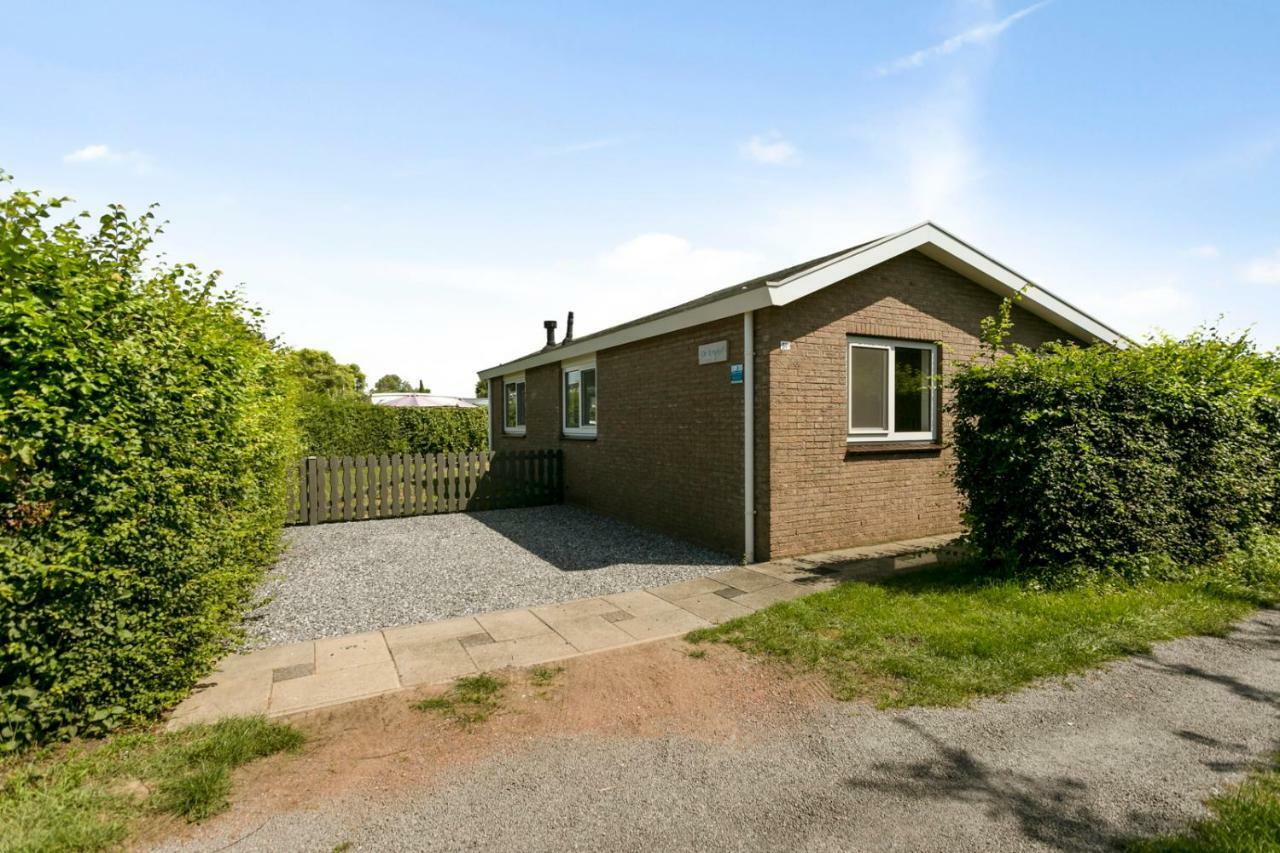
(347,578)
(1129,750)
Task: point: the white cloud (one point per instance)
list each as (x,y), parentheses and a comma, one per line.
(1206,251)
(107,154)
(770,148)
(666,257)
(980,34)
(1262,270)
(90,153)
(579,147)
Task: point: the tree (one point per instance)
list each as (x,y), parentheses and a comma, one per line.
(390,384)
(318,372)
(422,389)
(482,388)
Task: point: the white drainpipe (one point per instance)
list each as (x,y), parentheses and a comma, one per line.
(748,438)
(492,414)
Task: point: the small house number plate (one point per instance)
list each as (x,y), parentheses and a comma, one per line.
(711,353)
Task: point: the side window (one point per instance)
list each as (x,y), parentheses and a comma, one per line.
(579,404)
(513,407)
(892,390)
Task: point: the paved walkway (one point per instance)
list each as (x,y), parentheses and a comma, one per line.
(284,680)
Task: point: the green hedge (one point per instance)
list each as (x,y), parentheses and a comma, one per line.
(1098,459)
(351,427)
(145,428)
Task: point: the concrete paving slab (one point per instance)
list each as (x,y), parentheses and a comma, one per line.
(592,633)
(640,603)
(333,686)
(268,659)
(245,694)
(744,579)
(512,624)
(432,662)
(334,653)
(713,608)
(784,570)
(770,595)
(431,632)
(525,651)
(655,626)
(675,591)
(580,609)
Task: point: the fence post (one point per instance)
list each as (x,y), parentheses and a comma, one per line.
(315,490)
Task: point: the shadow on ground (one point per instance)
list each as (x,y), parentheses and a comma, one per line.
(1052,810)
(573,539)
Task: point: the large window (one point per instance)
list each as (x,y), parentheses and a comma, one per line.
(579,403)
(513,406)
(892,390)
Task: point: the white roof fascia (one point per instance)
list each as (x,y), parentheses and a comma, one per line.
(932,241)
(729,306)
(926,237)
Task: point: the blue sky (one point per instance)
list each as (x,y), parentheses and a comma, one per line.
(415,186)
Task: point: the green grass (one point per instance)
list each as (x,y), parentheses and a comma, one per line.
(544,676)
(1246,818)
(947,635)
(86,796)
(470,700)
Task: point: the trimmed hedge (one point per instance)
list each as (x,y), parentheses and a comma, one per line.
(1098,459)
(145,427)
(349,427)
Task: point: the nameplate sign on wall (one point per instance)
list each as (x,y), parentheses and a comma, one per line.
(711,353)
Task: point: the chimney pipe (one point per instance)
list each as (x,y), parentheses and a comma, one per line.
(568,329)
(550,326)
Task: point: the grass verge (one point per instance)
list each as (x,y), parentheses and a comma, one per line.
(470,700)
(947,635)
(85,796)
(1245,818)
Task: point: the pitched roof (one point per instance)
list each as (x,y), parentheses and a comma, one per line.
(791,283)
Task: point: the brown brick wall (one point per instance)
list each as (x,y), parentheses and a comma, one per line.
(668,451)
(819,496)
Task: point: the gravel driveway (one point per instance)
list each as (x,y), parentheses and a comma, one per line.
(347,578)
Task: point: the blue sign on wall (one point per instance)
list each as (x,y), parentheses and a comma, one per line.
(735,374)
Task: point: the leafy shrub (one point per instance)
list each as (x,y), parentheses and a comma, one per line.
(1075,460)
(347,427)
(145,427)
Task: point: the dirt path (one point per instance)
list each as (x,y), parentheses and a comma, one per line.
(648,749)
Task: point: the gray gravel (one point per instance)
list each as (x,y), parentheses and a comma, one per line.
(346,578)
(1127,751)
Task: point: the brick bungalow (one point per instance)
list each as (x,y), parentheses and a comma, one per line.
(828,432)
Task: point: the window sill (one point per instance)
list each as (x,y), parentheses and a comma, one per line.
(579,436)
(513,435)
(865,448)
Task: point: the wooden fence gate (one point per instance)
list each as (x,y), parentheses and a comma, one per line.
(349,488)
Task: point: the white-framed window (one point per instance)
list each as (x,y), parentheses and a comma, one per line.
(892,390)
(513,405)
(578,398)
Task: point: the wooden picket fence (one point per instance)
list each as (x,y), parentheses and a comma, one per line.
(350,488)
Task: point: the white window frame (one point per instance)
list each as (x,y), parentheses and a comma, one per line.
(873,434)
(566,368)
(507,381)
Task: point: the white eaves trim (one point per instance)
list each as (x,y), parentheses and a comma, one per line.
(927,238)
